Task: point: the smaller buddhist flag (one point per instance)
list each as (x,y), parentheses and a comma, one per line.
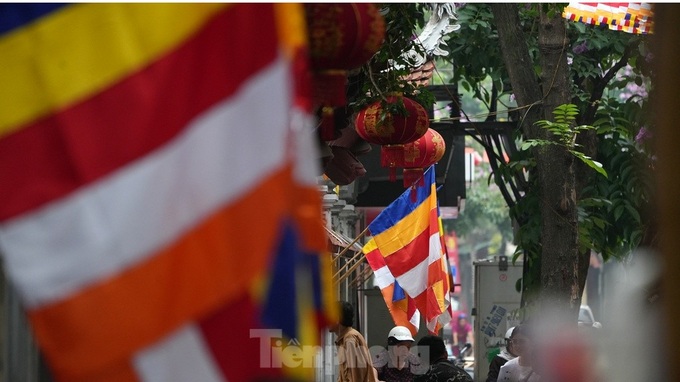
(406,251)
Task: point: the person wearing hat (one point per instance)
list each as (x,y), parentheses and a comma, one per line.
(397,363)
(505,355)
(520,368)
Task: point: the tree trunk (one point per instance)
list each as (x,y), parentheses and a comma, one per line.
(559,275)
(559,236)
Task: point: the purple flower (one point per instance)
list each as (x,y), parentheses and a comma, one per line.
(643,135)
(649,57)
(580,48)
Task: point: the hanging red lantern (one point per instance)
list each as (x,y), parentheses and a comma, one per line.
(421,153)
(391,131)
(342,36)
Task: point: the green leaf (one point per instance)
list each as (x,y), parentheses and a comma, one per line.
(600,223)
(526,145)
(633,212)
(618,211)
(597,166)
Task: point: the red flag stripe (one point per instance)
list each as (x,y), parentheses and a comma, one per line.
(125,218)
(400,263)
(252,358)
(375,259)
(54,156)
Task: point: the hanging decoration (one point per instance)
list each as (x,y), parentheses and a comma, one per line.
(342,36)
(420,154)
(392,129)
(628,17)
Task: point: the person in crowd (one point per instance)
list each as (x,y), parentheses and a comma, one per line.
(397,363)
(461,334)
(433,351)
(501,358)
(354,359)
(520,369)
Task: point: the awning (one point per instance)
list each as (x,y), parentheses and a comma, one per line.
(341,240)
(634,18)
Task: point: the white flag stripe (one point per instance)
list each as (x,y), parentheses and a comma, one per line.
(91,233)
(413,281)
(180,357)
(436,250)
(383,277)
(306,149)
(415,319)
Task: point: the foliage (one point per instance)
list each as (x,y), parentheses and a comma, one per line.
(610,221)
(476,55)
(610,73)
(610,76)
(595,52)
(564,134)
(385,71)
(485,217)
(613,213)
(474,37)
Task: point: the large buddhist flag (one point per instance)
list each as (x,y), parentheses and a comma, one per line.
(155,163)
(407,247)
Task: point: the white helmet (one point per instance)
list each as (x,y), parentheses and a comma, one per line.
(400,333)
(508,334)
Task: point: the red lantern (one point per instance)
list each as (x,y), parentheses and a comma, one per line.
(392,131)
(342,36)
(421,153)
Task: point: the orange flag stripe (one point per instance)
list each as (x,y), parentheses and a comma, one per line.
(206,268)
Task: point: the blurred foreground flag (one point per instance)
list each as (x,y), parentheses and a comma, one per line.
(156,160)
(636,18)
(407,246)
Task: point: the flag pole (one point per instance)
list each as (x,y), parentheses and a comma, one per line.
(357,256)
(362,234)
(350,270)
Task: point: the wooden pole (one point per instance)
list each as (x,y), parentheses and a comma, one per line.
(362,234)
(356,256)
(667,138)
(363,275)
(350,270)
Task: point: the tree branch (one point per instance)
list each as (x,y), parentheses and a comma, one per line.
(518,62)
(596,95)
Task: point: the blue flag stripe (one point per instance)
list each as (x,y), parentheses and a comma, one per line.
(15,15)
(403,205)
(398,292)
(280,307)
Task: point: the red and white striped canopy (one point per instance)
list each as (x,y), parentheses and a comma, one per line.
(634,18)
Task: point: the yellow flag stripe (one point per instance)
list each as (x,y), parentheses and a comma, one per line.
(48,65)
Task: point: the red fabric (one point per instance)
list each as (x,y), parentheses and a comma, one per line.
(240,356)
(61,152)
